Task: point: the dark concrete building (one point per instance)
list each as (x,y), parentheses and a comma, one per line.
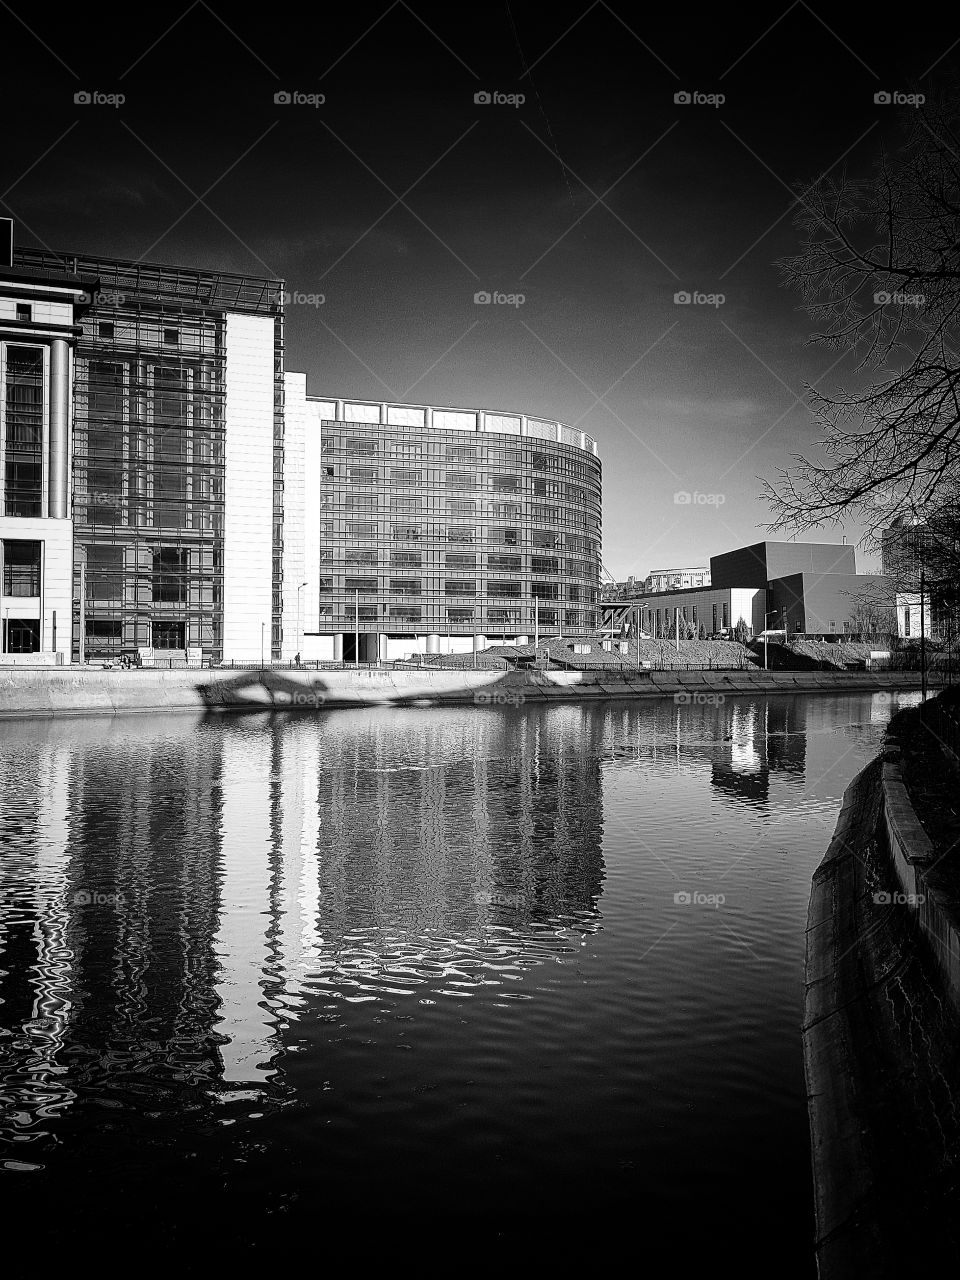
(759,564)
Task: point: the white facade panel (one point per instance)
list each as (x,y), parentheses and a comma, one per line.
(294,546)
(56,567)
(248,511)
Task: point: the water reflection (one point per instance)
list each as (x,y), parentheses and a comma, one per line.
(172,901)
(414,957)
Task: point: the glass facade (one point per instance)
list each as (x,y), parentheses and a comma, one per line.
(148,479)
(451,532)
(23,431)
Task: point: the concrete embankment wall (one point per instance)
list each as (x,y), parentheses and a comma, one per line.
(881,1039)
(86,690)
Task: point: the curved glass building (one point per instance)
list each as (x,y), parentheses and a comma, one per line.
(433,530)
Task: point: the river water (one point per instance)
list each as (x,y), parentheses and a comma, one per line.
(514,977)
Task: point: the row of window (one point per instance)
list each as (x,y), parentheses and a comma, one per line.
(491,455)
(492,617)
(463,481)
(461,587)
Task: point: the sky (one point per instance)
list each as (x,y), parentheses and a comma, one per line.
(577,191)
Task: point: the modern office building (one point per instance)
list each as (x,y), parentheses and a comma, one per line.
(434,530)
(40,316)
(167,492)
(142,447)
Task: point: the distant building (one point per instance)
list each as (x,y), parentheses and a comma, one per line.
(806,588)
(676,579)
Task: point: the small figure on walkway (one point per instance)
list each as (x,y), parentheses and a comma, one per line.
(296,658)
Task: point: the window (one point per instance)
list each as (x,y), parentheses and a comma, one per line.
(363,585)
(459,615)
(104,575)
(361,555)
(505,537)
(461,453)
(406,502)
(362,475)
(23,464)
(506,511)
(21,568)
(403,613)
(503,564)
(403,475)
(170,569)
(406,559)
(328,473)
(545,590)
(460,480)
(24,311)
(362,528)
(456,560)
(507,590)
(360,447)
(461,507)
(506,484)
(460,533)
(22,635)
(715,619)
(405,586)
(168,635)
(171,337)
(104,629)
(405,532)
(546,515)
(544,564)
(360,502)
(459,587)
(546,538)
(105,330)
(503,617)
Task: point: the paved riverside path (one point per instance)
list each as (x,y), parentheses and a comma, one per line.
(54,691)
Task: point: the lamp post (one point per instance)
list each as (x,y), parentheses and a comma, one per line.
(262,626)
(356,630)
(299,614)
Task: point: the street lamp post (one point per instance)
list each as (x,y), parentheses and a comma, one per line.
(299,615)
(262,627)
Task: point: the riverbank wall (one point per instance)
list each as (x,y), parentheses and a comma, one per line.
(26,692)
(881,1040)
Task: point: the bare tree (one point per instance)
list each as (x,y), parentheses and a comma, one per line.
(879,272)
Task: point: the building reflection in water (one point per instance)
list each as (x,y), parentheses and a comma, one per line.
(174,895)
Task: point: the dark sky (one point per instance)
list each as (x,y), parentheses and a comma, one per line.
(399,198)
